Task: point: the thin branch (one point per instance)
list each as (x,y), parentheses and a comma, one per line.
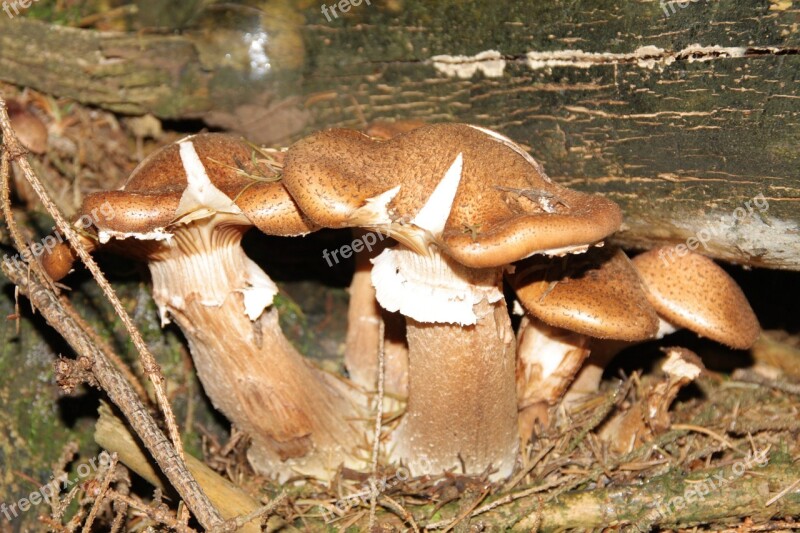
(15,152)
(376,445)
(158,514)
(235,524)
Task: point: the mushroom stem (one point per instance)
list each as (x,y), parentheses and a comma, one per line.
(649,415)
(547,359)
(461,410)
(462,407)
(587,380)
(299,418)
(364,315)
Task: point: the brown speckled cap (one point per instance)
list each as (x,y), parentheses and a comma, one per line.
(597,293)
(151,195)
(505,207)
(151,199)
(693,292)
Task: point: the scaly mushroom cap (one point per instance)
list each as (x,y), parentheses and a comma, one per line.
(505,207)
(693,292)
(227,175)
(157,193)
(597,293)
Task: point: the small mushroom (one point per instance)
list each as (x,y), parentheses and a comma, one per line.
(690,291)
(580,298)
(463,202)
(598,294)
(184,210)
(29,129)
(364,316)
(648,416)
(59,259)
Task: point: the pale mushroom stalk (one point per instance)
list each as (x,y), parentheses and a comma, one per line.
(461,411)
(364,316)
(587,379)
(547,360)
(299,418)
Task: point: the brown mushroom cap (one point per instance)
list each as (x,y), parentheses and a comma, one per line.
(151,197)
(30,131)
(505,207)
(58,261)
(597,293)
(693,292)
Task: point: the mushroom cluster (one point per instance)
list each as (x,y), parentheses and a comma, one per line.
(467,209)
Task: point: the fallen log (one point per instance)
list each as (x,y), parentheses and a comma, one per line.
(687,115)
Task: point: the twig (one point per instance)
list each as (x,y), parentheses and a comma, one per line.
(100,496)
(154,513)
(748,376)
(403,513)
(783,493)
(508,498)
(601,414)
(709,432)
(235,524)
(122,486)
(467,512)
(529,468)
(16,153)
(376,445)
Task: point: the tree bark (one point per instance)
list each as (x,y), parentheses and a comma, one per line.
(682,115)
